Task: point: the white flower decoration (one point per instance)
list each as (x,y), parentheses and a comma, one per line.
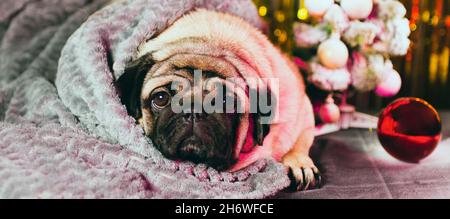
(390,9)
(399,46)
(329,79)
(368,72)
(373,39)
(309,36)
(394,40)
(337,18)
(361,33)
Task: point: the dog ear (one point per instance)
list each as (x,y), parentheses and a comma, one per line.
(131,82)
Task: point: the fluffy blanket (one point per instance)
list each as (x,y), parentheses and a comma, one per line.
(64,132)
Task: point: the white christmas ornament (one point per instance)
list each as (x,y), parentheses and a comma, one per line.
(317,8)
(390,86)
(357,9)
(333,53)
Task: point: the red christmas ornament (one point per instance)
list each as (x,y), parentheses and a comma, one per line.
(409,129)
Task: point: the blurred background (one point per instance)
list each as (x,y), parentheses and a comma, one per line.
(424,70)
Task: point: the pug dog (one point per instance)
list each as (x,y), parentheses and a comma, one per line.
(220,46)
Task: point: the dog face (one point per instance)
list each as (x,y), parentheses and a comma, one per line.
(191,134)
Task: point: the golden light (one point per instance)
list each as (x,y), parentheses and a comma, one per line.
(413,27)
(433,67)
(262,11)
(435,20)
(277,32)
(302,14)
(444,64)
(279,15)
(282,38)
(426,16)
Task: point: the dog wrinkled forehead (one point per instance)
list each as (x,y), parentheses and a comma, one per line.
(186,72)
(210,42)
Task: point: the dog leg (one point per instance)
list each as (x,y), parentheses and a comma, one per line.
(305,174)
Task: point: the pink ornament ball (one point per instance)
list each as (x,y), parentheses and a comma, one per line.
(329,112)
(390,86)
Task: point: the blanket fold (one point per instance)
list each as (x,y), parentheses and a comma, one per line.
(63,130)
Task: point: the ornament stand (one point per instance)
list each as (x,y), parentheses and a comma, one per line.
(349,118)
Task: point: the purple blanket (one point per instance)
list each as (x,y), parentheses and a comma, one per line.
(64,132)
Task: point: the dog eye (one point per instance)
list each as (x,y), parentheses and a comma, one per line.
(160,100)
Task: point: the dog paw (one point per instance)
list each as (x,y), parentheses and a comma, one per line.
(303,173)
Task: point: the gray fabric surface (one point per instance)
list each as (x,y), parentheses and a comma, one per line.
(354,165)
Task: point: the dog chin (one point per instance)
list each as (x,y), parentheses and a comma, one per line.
(191,149)
(194,150)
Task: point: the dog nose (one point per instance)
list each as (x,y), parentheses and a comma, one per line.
(195,113)
(195,116)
